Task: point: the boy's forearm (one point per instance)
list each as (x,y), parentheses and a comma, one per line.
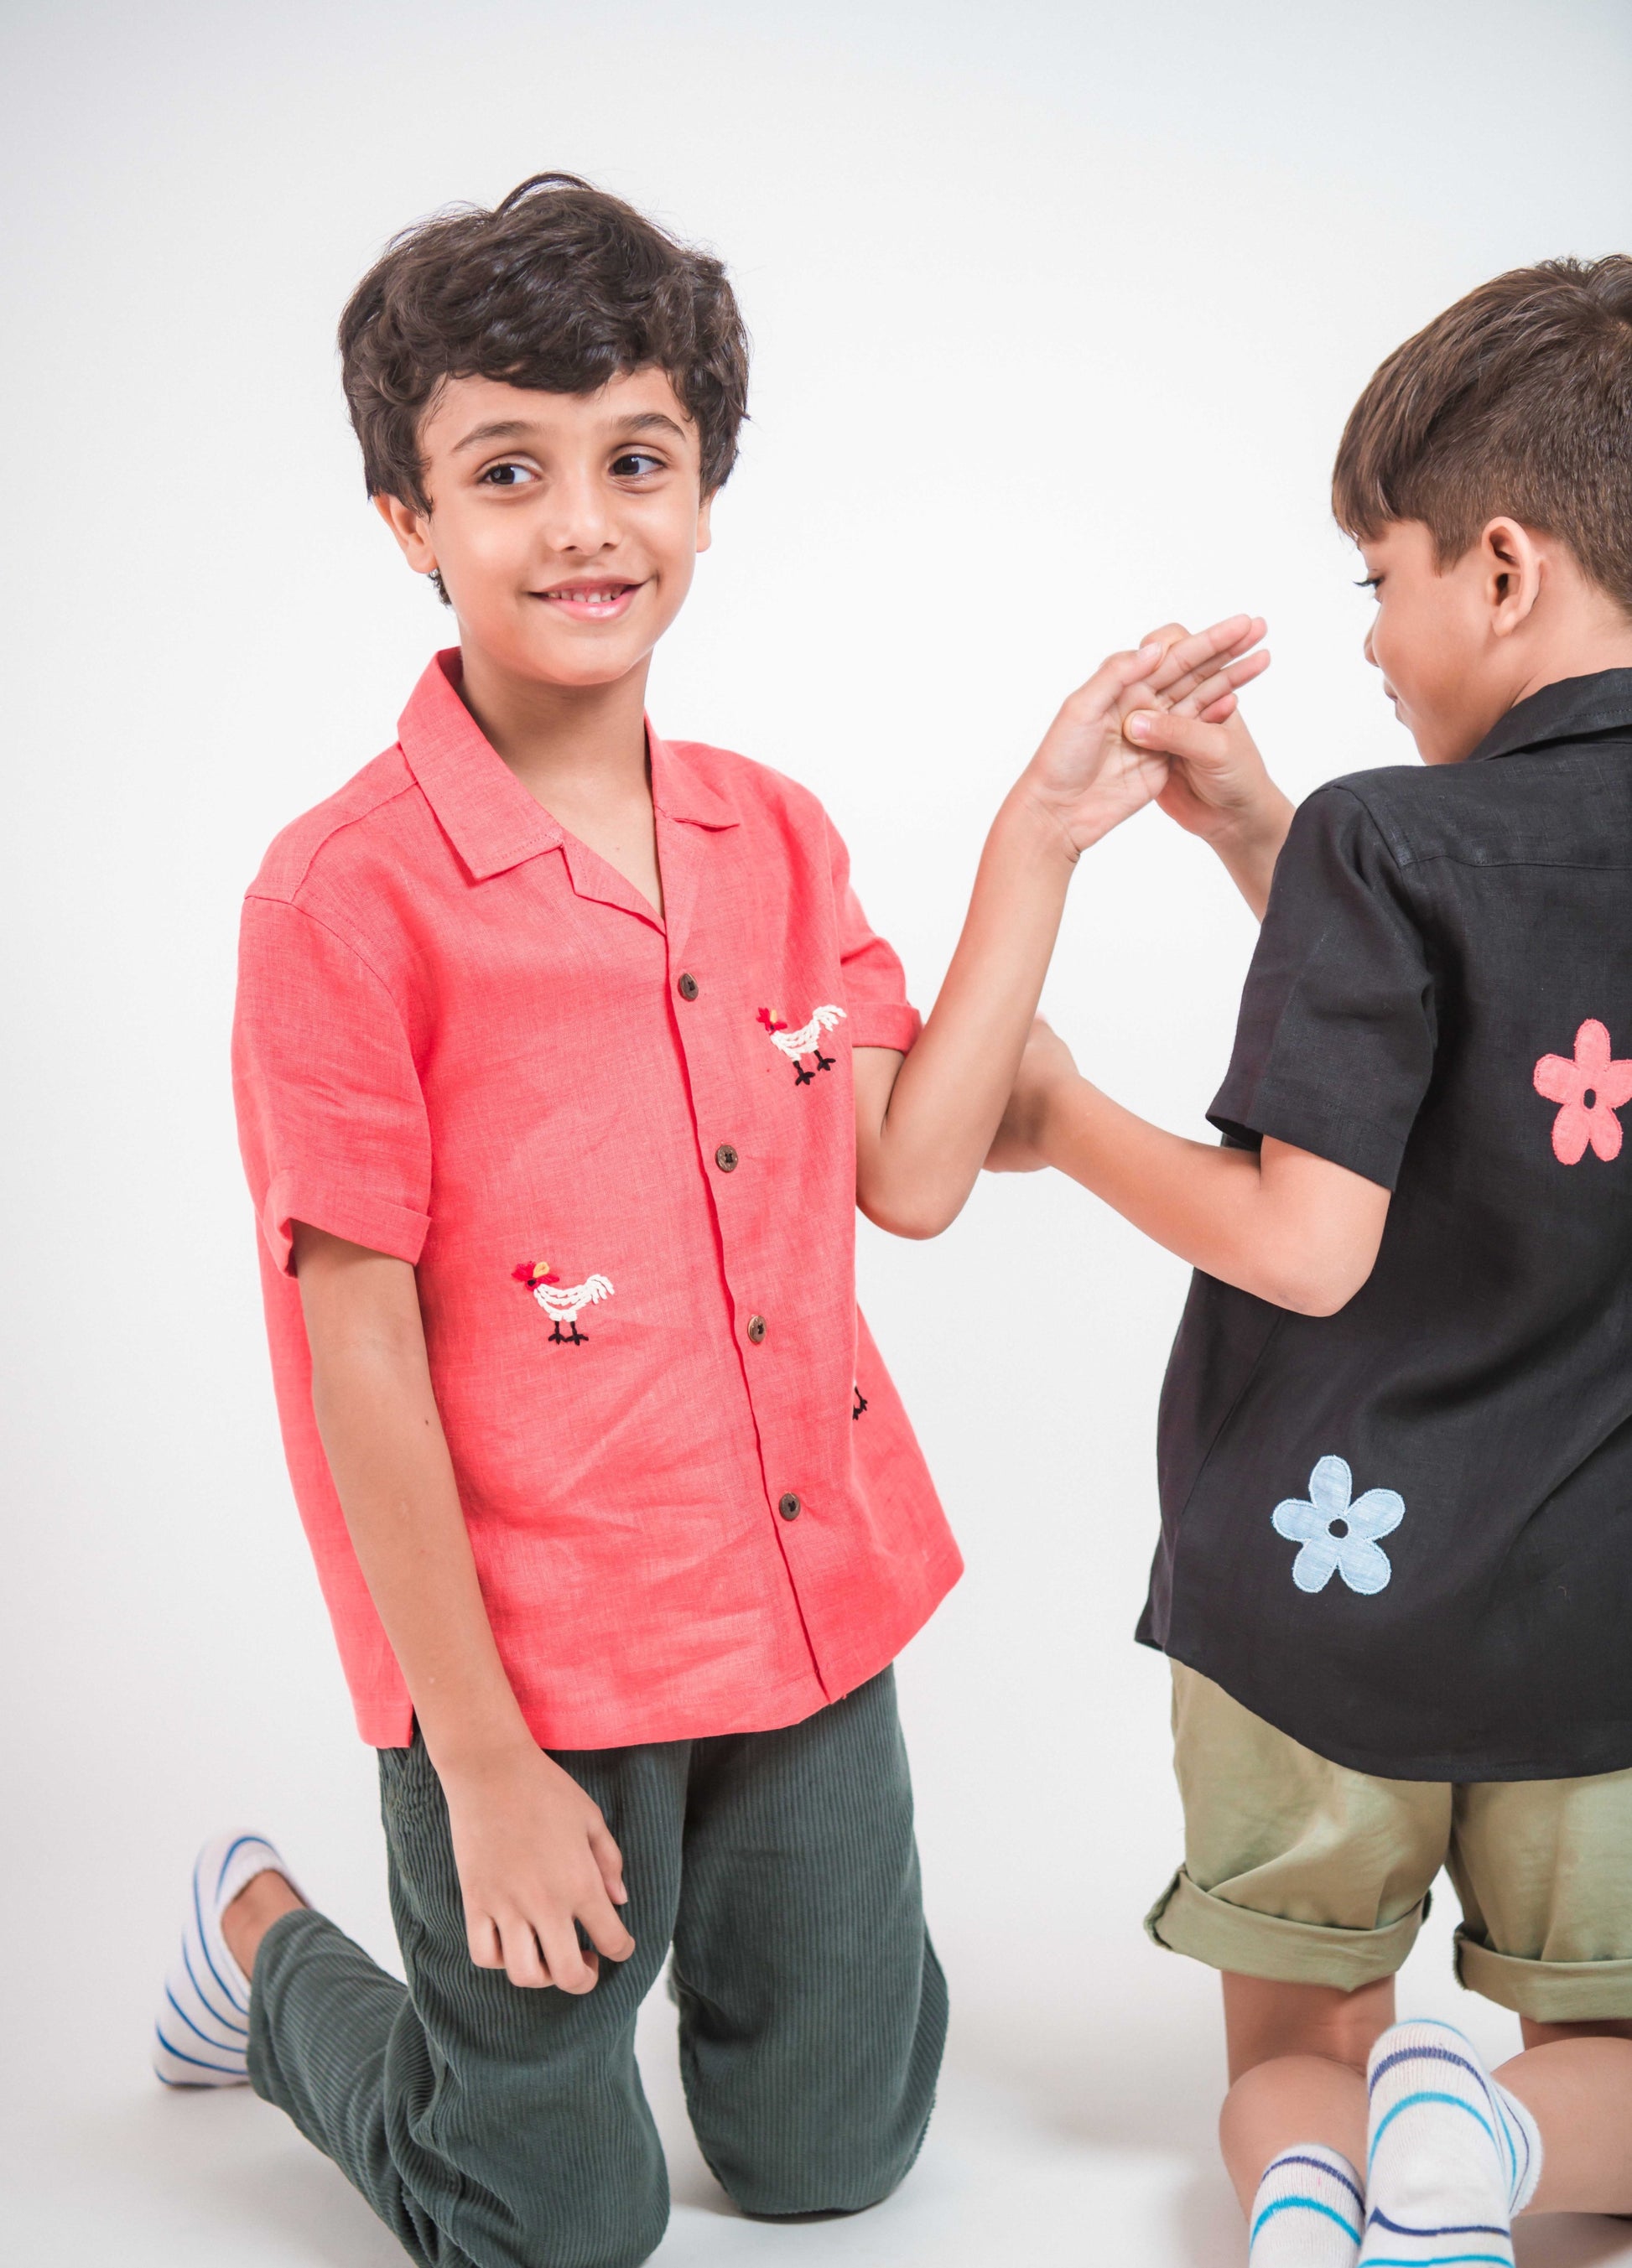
(382,1434)
(1302,1236)
(1249,851)
(916,1167)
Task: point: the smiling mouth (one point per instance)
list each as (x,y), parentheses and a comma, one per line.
(589,601)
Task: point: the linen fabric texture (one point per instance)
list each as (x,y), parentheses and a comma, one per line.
(1297,1868)
(1441,1001)
(462,1039)
(493,2126)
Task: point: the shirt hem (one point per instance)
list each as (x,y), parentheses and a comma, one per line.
(1612,1752)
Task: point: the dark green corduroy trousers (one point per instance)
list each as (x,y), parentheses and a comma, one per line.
(504,2128)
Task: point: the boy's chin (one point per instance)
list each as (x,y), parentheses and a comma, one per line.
(572,670)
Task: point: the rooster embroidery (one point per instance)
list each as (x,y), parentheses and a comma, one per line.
(806,1040)
(561,1301)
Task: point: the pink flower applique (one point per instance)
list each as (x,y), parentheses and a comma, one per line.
(1590,1090)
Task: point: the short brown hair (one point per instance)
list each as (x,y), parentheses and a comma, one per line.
(1518,400)
(560,287)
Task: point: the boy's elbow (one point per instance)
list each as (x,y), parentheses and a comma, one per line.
(917,1215)
(1320,1290)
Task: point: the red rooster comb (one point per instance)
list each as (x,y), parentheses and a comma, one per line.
(772,1022)
(535,1271)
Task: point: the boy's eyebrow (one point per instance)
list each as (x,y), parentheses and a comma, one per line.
(517,429)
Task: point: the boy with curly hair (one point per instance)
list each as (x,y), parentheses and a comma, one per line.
(1395,1574)
(564,1055)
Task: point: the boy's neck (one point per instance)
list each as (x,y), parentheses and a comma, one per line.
(1575,649)
(560,740)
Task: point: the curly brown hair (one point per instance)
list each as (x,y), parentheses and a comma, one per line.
(560,287)
(1517,400)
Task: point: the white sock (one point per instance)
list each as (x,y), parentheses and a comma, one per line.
(1308,2210)
(202,2035)
(1451,2156)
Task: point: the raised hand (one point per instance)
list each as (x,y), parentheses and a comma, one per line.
(1217,785)
(1089,774)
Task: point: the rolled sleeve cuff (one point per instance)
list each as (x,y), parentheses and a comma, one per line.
(354,1214)
(1312,1123)
(884,1024)
(1547,1992)
(1188,1919)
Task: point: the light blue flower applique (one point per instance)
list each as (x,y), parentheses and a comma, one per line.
(1339,1537)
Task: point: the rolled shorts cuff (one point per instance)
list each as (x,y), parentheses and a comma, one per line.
(1188,1919)
(1547,1992)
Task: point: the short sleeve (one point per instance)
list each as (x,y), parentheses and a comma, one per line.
(1335,1047)
(331,1120)
(875,1003)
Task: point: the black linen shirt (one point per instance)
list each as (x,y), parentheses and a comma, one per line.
(1403,1533)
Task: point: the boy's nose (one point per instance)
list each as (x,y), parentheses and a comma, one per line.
(1368,649)
(578,519)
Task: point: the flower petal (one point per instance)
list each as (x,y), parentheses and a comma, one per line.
(1364,1564)
(1604,1128)
(1378,1513)
(1299,1522)
(1614,1083)
(1330,1487)
(1312,1569)
(1570,1135)
(1591,1045)
(1558,1079)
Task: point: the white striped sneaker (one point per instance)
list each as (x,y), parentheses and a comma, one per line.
(202,2036)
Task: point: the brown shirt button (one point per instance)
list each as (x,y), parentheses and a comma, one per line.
(688,987)
(727,1158)
(789,1506)
(755,1329)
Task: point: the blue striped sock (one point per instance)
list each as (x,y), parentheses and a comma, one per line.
(1450,2155)
(1308,2210)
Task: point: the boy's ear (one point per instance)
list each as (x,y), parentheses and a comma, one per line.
(704,533)
(1511,564)
(412,530)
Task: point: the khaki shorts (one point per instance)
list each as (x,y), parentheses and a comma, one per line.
(1300,1870)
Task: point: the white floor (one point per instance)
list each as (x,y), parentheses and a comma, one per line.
(1074,2127)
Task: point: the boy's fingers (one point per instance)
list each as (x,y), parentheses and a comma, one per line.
(524,1964)
(1165,634)
(1205,648)
(1113,677)
(1217,682)
(570,1966)
(482,1937)
(605,1929)
(1173,735)
(609,1859)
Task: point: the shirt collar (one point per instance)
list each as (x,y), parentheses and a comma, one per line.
(1569,710)
(480,805)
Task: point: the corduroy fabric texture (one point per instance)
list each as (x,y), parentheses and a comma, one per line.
(494,2127)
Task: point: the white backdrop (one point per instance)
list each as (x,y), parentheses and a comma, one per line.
(1058,310)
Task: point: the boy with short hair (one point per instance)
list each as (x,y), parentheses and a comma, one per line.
(563,1055)
(1395,1576)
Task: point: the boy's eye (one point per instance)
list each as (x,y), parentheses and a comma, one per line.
(504,477)
(1372,583)
(633,463)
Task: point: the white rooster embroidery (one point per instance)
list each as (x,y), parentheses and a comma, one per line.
(562,1301)
(805,1042)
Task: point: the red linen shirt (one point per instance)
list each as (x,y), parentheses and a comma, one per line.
(620,1151)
